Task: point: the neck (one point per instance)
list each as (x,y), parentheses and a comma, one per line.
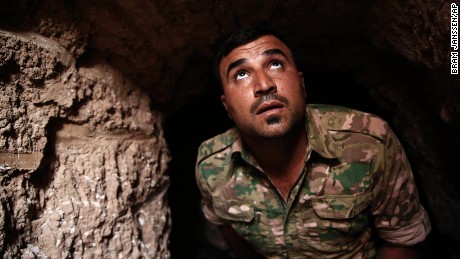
(280,156)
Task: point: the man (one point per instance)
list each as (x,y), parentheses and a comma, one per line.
(297,181)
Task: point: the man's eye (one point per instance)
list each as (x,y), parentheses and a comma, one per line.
(241,75)
(275,65)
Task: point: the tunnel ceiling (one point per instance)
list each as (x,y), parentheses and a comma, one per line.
(166,47)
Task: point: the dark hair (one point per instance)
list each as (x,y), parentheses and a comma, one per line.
(241,37)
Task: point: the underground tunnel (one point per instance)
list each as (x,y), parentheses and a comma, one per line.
(104,104)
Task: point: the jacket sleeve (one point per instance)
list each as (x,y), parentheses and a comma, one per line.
(202,173)
(398,215)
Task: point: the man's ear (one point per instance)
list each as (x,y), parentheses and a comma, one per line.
(224,103)
(303,84)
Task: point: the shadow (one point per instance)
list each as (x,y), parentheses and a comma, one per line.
(185,129)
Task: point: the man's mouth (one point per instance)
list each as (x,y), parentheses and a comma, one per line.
(268,106)
(269,103)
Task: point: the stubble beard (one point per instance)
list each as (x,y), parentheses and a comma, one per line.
(276,127)
(273,120)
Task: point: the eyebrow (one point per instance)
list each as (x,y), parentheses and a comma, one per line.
(271,52)
(268,52)
(235,64)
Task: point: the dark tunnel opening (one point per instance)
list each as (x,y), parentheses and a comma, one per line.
(185,129)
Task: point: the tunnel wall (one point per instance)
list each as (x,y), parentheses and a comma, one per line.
(83,158)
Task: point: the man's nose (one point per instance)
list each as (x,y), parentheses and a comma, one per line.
(264,85)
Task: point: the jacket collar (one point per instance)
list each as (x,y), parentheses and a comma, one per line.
(319,138)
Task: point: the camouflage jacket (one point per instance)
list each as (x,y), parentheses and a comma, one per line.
(356,184)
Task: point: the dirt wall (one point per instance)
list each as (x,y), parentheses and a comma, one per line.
(83,158)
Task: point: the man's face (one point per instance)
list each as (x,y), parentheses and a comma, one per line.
(263,90)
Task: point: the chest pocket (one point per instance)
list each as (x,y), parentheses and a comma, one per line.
(251,223)
(234,210)
(240,215)
(335,222)
(340,206)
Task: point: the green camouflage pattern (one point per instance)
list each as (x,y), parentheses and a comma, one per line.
(356,176)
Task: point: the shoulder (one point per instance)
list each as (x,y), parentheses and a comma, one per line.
(219,145)
(339,118)
(214,159)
